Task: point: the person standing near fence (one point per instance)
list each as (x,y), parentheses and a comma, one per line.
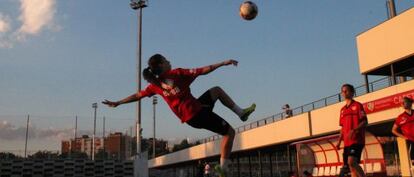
(287,111)
(404,125)
(353,121)
(207,170)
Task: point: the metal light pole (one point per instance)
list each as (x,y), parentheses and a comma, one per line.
(103,138)
(76,126)
(139,5)
(94,106)
(154,102)
(27,136)
(74,139)
(392,12)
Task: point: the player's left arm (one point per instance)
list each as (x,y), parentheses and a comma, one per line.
(364,119)
(362,124)
(208,69)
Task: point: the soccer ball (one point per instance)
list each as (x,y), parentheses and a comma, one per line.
(248,10)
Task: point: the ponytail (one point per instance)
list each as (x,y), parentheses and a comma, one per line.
(149,76)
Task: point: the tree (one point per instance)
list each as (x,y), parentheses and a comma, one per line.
(184,144)
(8,156)
(101,155)
(44,155)
(160,147)
(74,155)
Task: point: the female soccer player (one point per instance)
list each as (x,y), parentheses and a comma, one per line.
(174,86)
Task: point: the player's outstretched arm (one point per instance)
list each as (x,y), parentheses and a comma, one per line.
(129,99)
(208,69)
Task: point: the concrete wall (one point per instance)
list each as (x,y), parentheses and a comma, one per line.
(323,121)
(387,42)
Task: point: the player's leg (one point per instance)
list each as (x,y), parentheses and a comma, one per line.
(207,119)
(356,170)
(226,147)
(227,143)
(217,93)
(354,157)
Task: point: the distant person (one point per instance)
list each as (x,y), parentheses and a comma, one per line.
(200,169)
(287,112)
(404,125)
(307,174)
(207,170)
(353,121)
(174,87)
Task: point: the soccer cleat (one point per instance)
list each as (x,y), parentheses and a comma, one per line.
(220,171)
(247,112)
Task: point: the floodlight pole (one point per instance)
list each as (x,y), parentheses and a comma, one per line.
(139,5)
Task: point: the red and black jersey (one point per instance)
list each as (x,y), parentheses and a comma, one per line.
(405,122)
(351,116)
(176,92)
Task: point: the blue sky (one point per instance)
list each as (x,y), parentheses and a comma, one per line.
(294,52)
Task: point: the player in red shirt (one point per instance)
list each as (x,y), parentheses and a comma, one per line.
(404,124)
(353,121)
(174,86)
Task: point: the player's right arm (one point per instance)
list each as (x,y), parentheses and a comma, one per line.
(341,134)
(129,99)
(338,145)
(147,92)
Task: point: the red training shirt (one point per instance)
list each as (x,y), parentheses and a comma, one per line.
(351,116)
(176,92)
(405,122)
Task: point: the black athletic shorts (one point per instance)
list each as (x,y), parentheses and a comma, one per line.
(207,119)
(354,150)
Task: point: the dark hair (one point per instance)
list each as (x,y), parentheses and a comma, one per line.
(408,100)
(153,70)
(350,87)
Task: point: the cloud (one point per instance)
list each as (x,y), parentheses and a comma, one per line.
(11,132)
(4,23)
(4,28)
(36,15)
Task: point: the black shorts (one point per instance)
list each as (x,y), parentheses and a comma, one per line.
(207,119)
(354,151)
